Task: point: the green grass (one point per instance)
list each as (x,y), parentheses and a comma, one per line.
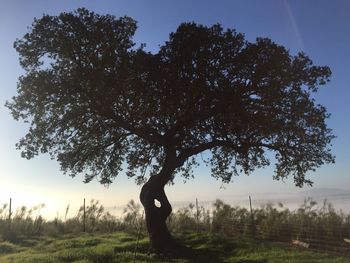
(120,247)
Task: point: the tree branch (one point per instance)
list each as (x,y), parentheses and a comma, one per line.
(185,154)
(150,136)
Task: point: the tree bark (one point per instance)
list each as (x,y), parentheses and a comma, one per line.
(153,189)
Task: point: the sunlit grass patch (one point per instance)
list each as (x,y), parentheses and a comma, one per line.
(7,247)
(30,256)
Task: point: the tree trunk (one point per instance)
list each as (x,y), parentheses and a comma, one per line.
(160,237)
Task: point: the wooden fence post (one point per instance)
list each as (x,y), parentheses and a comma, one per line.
(197,215)
(252,217)
(10,212)
(84,219)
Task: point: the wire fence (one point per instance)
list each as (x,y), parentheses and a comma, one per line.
(311,227)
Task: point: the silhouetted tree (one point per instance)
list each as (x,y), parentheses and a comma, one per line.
(95,102)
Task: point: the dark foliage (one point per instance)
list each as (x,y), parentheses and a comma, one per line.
(95,101)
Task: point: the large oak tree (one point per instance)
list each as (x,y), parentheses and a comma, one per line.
(98,104)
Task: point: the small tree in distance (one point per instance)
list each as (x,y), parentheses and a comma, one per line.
(95,101)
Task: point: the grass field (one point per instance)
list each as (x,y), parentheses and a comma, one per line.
(120,247)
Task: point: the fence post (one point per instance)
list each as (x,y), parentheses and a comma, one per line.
(10,212)
(84,224)
(252,217)
(197,215)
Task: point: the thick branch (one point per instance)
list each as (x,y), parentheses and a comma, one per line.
(190,120)
(148,134)
(185,154)
(151,137)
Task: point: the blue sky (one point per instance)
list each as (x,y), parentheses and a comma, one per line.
(318,27)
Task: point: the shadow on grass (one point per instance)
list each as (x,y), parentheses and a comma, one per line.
(191,255)
(210,255)
(253,261)
(203,248)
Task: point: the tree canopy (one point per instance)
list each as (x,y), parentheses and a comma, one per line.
(96,101)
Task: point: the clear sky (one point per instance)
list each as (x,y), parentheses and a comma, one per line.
(318,27)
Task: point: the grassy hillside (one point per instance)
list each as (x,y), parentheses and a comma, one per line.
(121,247)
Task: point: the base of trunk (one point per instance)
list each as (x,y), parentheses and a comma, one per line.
(161,240)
